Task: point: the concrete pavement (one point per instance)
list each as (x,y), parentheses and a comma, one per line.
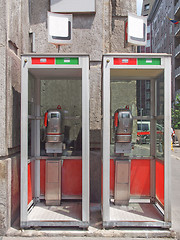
(79,238)
(95,230)
(175,183)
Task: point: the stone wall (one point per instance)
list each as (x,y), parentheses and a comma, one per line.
(14,40)
(5,190)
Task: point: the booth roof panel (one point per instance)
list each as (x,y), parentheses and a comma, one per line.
(56,73)
(135,74)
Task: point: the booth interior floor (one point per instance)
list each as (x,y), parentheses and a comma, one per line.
(141,212)
(67,211)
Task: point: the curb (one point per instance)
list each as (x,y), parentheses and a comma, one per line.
(92,233)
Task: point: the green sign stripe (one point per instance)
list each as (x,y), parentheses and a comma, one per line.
(149,61)
(67,61)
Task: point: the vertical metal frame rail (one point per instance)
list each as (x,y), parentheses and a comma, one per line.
(166,66)
(153,143)
(25,65)
(24,144)
(167,139)
(85,140)
(106,140)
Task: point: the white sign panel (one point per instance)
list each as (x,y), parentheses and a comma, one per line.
(137,30)
(59,28)
(71,6)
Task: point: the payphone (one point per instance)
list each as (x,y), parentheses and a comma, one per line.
(53,124)
(123,123)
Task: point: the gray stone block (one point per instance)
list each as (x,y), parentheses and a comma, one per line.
(3,145)
(13,99)
(5,195)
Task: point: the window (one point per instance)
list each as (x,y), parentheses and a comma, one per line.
(148,43)
(147,105)
(146,7)
(147,84)
(147,95)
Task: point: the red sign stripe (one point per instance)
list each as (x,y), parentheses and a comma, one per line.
(43,60)
(125,61)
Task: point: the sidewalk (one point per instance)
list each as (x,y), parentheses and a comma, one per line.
(96,231)
(175,182)
(81,238)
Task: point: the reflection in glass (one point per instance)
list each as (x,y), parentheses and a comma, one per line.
(31,92)
(160,96)
(29,138)
(160,139)
(67,94)
(132,94)
(143,97)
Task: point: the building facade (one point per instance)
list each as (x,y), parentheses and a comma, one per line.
(143,88)
(23,29)
(177,45)
(147,7)
(162,32)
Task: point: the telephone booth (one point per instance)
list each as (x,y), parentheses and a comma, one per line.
(55,140)
(136,163)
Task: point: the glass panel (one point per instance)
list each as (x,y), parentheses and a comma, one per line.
(160,139)
(67,94)
(29,138)
(123,93)
(31,104)
(141,147)
(132,94)
(145,100)
(30,94)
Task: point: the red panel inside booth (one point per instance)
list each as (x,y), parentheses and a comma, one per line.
(72,177)
(112,176)
(140,177)
(29,184)
(160,181)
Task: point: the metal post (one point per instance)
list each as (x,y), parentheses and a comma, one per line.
(167,139)
(24,143)
(153,143)
(37,137)
(106,140)
(85,139)
(33,132)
